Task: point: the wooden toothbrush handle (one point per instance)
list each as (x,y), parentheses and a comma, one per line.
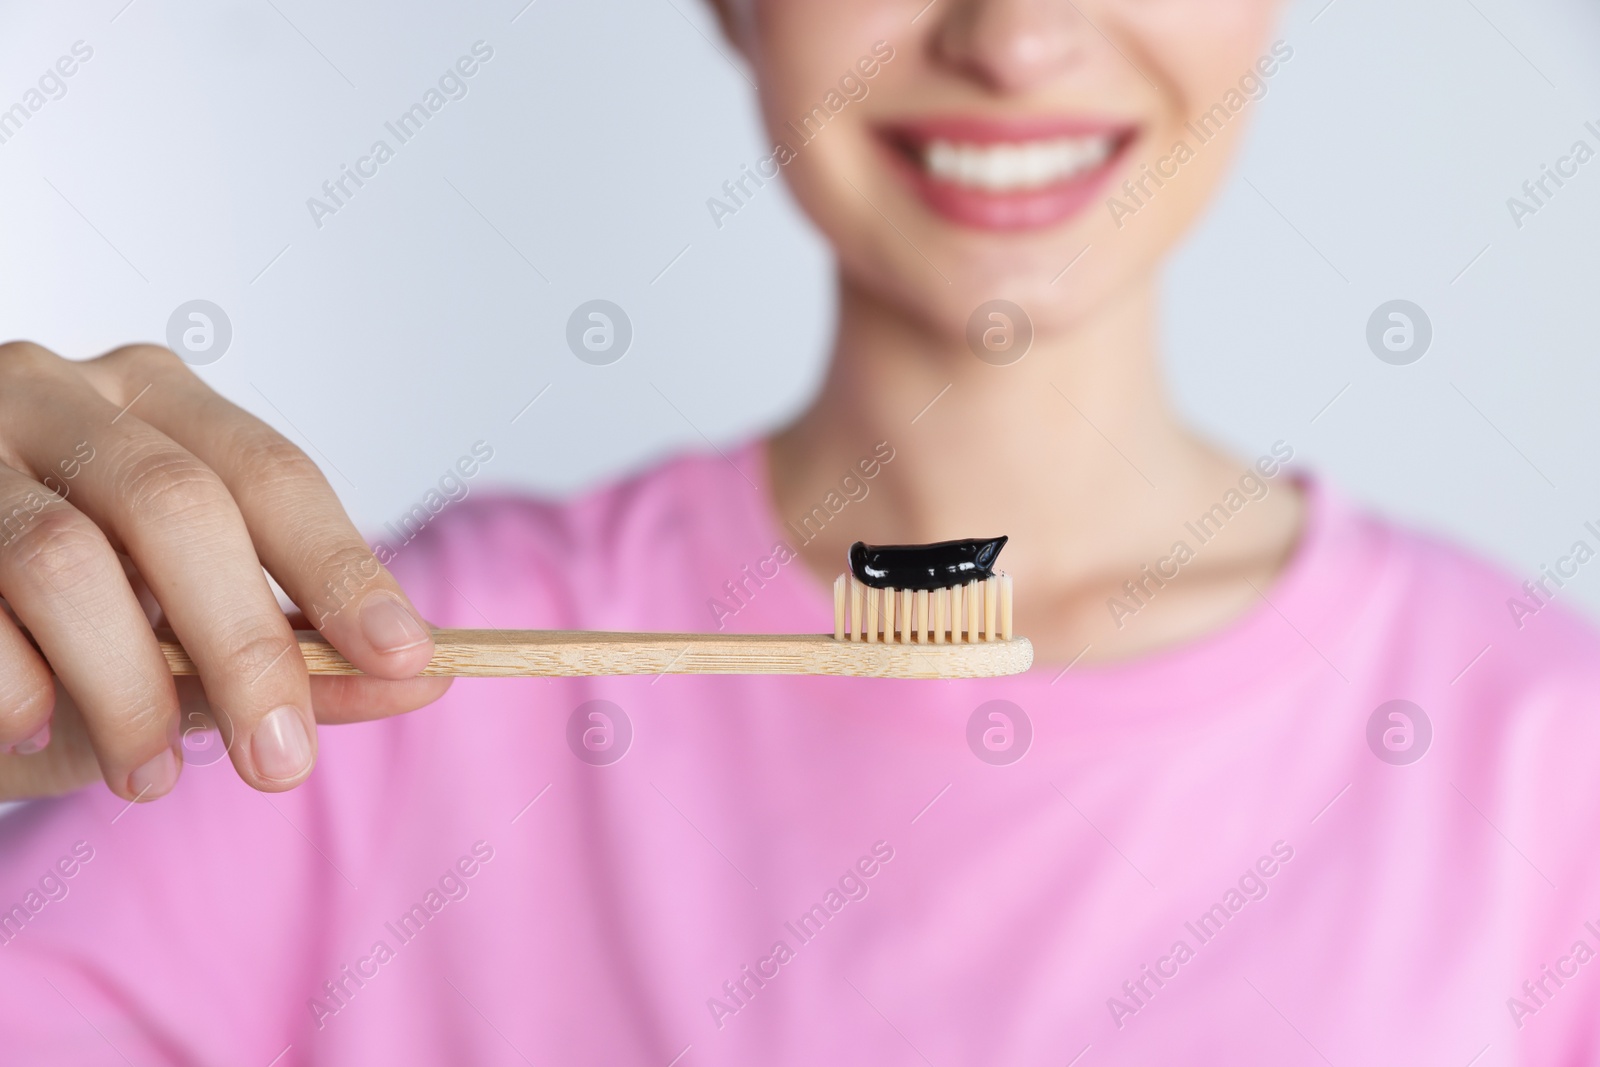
(567,653)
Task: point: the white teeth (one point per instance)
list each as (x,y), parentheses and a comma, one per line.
(1028,165)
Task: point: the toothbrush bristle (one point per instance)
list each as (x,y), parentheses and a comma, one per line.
(980,610)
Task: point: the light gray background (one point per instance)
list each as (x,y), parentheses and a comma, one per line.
(416,320)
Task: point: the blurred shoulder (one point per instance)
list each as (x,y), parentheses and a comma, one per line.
(1437,603)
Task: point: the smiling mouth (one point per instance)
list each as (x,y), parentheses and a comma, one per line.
(1007,175)
(1004,168)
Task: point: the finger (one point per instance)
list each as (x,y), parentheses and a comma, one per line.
(299,528)
(65,765)
(336,699)
(207,734)
(60,576)
(27,691)
(173,516)
(344,698)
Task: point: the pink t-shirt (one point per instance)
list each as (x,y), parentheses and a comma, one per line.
(1225,853)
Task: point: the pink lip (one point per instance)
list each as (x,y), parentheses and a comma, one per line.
(1033,209)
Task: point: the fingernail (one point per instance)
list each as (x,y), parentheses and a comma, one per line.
(36,743)
(281,748)
(156,778)
(389,625)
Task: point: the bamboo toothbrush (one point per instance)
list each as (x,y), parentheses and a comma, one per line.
(902,611)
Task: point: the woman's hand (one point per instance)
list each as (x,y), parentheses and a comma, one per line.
(131,495)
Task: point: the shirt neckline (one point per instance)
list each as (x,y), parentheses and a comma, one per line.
(1268,641)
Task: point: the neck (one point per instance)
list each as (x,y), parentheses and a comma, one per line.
(1056,448)
(1073,452)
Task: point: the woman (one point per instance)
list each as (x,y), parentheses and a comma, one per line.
(1258,802)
